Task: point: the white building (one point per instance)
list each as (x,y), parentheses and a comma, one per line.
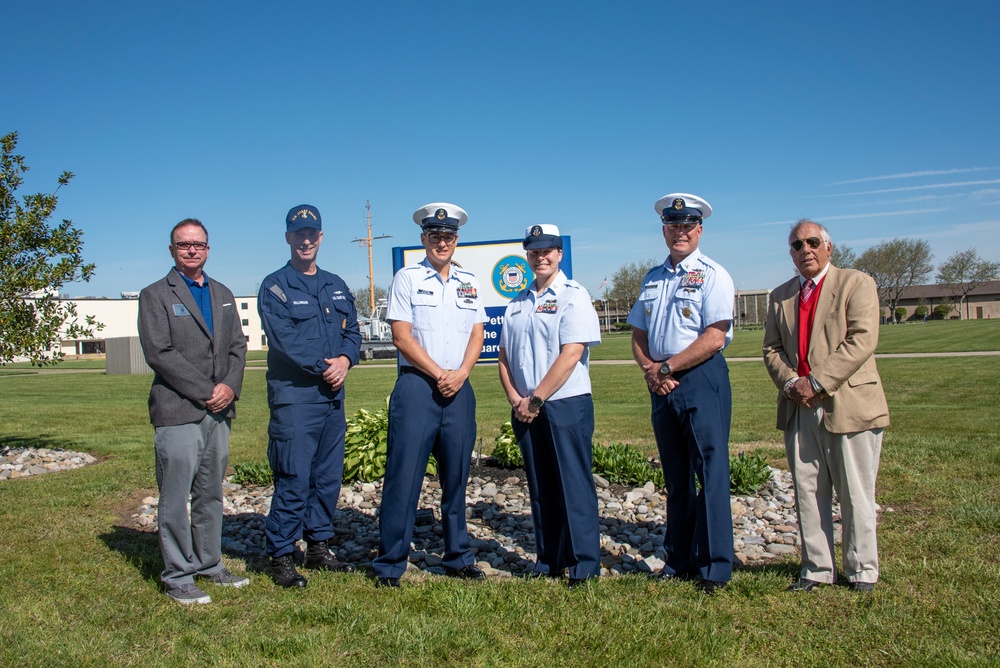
(120,318)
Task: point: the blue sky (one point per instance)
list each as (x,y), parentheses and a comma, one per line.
(876,118)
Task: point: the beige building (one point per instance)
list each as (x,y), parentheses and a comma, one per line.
(981,303)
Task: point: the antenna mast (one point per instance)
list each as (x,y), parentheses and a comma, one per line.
(367,241)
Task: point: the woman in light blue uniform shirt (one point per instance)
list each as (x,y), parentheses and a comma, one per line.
(544,355)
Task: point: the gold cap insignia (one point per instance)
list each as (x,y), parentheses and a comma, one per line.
(678,203)
(441,214)
(536,230)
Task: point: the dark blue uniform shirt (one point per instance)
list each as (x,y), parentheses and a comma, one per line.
(306,324)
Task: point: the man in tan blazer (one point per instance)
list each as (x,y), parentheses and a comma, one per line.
(819,346)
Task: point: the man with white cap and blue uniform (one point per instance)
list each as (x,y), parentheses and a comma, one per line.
(681,323)
(437,319)
(544,369)
(313,340)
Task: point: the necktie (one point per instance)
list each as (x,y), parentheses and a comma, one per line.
(807,290)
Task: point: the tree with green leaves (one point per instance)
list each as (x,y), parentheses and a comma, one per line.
(363,304)
(896,264)
(626,282)
(843,256)
(965,271)
(36,259)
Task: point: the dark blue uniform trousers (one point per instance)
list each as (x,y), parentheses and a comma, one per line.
(691,425)
(306,453)
(421,422)
(557,448)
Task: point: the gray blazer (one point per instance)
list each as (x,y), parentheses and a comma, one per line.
(189,361)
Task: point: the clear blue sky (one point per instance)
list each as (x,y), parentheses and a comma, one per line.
(878,119)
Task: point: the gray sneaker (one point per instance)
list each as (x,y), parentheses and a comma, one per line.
(188,594)
(226,579)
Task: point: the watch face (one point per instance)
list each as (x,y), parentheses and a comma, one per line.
(665,369)
(536,402)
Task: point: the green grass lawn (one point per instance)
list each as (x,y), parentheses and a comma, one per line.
(79,587)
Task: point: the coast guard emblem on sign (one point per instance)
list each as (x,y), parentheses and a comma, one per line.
(694,278)
(511,275)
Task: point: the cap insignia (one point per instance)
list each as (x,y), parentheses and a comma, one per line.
(536,230)
(441,214)
(678,203)
(304,213)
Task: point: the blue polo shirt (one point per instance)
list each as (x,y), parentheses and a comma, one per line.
(202,297)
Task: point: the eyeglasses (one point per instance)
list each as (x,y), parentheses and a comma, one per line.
(188,245)
(813,242)
(435,239)
(677,228)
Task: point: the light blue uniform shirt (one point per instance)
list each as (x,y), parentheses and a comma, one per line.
(441,312)
(536,325)
(676,304)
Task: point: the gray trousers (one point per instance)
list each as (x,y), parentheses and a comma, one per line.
(191,462)
(822,462)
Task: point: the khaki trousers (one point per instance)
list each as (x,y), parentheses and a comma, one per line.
(821,463)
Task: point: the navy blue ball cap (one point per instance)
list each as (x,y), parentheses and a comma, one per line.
(440,217)
(539,237)
(303,216)
(682,208)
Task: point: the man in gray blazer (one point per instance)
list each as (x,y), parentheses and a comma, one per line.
(190,332)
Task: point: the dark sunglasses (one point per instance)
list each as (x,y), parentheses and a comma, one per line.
(813,242)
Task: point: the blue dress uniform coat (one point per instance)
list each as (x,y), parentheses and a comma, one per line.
(189,360)
(557,446)
(422,421)
(691,423)
(306,319)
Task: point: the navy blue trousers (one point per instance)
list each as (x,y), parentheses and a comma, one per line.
(557,448)
(306,453)
(691,425)
(422,422)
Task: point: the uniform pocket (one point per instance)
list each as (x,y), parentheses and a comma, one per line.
(425,310)
(862,378)
(279,448)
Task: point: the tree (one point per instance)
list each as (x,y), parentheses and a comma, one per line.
(362,303)
(843,257)
(896,265)
(965,271)
(626,282)
(36,259)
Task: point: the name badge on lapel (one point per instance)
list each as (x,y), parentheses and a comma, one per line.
(180,309)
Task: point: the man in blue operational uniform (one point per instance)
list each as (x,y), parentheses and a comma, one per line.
(682,321)
(544,370)
(313,341)
(437,320)
(192,338)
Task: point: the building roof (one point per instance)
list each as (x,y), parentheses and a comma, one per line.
(945,291)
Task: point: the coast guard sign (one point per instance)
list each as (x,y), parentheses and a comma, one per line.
(502,270)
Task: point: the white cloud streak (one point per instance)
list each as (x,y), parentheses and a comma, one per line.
(911,175)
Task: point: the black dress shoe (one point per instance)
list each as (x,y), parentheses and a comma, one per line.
(863,587)
(391,583)
(709,587)
(805,584)
(318,557)
(470,572)
(664,576)
(284,574)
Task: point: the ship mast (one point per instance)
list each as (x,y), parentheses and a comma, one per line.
(367,241)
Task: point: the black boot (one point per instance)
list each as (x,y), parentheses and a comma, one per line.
(284,574)
(318,557)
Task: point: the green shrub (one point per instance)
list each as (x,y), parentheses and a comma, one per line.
(747,473)
(365,446)
(921,311)
(624,465)
(506,453)
(900,313)
(253,473)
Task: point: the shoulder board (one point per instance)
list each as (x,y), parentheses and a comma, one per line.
(276,290)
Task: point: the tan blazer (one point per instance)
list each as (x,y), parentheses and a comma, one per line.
(841,350)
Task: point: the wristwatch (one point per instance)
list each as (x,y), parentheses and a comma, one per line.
(535,403)
(665,369)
